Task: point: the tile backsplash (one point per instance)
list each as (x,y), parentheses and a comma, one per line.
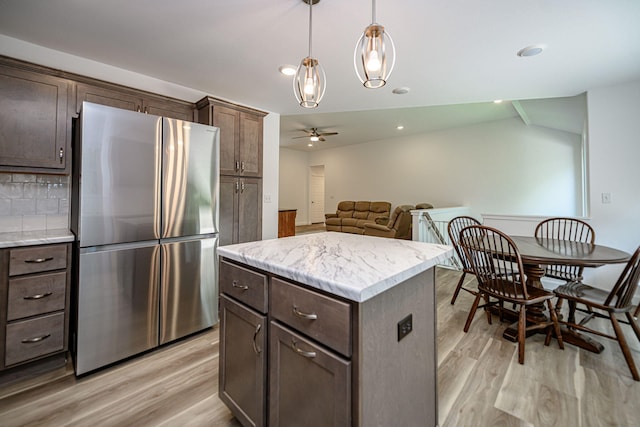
(30,202)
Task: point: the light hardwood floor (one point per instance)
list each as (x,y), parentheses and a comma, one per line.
(480,383)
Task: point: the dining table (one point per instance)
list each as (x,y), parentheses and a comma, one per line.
(536,253)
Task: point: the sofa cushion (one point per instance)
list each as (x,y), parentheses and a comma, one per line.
(333,221)
(346,222)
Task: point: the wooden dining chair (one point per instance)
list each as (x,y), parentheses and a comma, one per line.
(565,229)
(454,228)
(603,304)
(497,264)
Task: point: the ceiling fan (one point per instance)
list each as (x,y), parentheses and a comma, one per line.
(314,135)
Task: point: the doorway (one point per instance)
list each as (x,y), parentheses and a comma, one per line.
(316,194)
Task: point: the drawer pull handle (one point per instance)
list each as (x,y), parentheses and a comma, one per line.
(307,354)
(308,316)
(38,260)
(236,285)
(39,296)
(257,349)
(35,340)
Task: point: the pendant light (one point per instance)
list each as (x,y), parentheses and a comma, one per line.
(309,83)
(375,54)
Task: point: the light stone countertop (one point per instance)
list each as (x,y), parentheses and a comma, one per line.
(352,266)
(39,237)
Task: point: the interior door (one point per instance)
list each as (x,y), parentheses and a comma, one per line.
(316,194)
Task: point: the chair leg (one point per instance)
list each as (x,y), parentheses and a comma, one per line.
(522,326)
(486,308)
(572,312)
(472,313)
(458,286)
(634,325)
(556,327)
(558,309)
(625,348)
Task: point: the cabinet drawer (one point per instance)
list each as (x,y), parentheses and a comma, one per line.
(244,285)
(308,385)
(33,295)
(32,338)
(322,318)
(37,258)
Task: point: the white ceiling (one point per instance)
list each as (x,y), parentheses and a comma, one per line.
(448,51)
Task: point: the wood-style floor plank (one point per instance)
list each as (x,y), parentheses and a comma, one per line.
(480,382)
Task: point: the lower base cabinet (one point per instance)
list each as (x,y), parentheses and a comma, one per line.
(309,385)
(243,361)
(291,355)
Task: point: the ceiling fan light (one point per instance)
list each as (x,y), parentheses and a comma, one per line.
(314,138)
(375,55)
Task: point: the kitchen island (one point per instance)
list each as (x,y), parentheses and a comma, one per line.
(329,329)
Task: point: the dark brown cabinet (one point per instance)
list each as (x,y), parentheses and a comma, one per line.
(34,301)
(301,369)
(240,136)
(34,136)
(240,209)
(240,168)
(243,343)
(132,100)
(331,361)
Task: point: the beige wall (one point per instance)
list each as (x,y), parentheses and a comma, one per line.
(497,167)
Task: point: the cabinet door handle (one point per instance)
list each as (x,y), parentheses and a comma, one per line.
(38,296)
(308,316)
(237,166)
(242,187)
(61,154)
(237,186)
(308,354)
(35,340)
(236,285)
(257,349)
(38,260)
(241,166)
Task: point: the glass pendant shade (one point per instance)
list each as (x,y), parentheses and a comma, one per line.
(309,83)
(375,54)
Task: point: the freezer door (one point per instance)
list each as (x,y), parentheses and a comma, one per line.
(189,290)
(118,293)
(119,176)
(190,168)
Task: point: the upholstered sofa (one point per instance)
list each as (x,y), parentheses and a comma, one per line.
(351,216)
(398,226)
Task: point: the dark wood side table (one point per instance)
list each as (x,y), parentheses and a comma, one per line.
(286,222)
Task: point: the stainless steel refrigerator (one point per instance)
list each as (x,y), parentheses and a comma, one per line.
(145,214)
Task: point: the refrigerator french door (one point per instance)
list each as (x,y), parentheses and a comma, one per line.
(146,220)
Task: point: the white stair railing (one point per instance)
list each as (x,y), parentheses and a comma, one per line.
(431,226)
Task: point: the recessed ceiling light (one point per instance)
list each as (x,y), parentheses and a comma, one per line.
(310,144)
(401,90)
(287,70)
(399,127)
(532,50)
(498,101)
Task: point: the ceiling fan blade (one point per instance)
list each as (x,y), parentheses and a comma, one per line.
(320,138)
(327,133)
(297,137)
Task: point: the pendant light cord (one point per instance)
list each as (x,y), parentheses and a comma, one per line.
(310,25)
(373,11)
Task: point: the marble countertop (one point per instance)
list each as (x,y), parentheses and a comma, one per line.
(39,237)
(352,266)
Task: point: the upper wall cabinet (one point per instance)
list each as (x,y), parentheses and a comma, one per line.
(34,131)
(114,96)
(240,135)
